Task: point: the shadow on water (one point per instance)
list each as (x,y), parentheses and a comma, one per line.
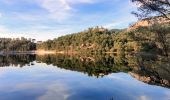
(146,68)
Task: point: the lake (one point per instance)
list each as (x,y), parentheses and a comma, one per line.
(84,77)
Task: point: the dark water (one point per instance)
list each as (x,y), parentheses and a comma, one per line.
(85,77)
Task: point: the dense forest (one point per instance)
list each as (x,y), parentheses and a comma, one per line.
(154,39)
(93,39)
(17,44)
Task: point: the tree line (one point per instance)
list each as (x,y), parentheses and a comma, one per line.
(153,39)
(17,44)
(92,39)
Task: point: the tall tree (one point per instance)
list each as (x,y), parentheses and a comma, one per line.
(148,8)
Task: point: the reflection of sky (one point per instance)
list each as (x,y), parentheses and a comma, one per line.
(42,82)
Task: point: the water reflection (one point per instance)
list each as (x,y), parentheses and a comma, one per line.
(16,60)
(46,82)
(149,69)
(92,65)
(59,77)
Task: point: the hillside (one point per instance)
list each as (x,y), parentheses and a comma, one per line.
(144,36)
(92,39)
(149,22)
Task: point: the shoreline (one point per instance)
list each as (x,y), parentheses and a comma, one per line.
(38,52)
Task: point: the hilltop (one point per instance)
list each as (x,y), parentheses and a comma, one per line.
(149,22)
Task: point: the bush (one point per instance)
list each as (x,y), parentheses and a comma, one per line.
(149,47)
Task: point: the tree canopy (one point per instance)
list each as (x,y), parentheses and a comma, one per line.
(148,8)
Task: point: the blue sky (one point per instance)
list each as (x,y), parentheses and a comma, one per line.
(48,19)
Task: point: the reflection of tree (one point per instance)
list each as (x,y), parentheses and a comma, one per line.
(98,65)
(16,60)
(151,70)
(147,68)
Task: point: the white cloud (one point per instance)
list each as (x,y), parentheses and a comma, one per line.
(58,9)
(55,91)
(61,9)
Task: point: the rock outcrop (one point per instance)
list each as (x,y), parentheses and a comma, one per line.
(149,22)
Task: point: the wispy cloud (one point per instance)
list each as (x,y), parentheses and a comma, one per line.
(57,90)
(58,9)
(61,9)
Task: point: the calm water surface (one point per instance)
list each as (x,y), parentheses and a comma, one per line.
(31,77)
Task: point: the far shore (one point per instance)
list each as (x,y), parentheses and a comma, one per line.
(38,52)
(50,52)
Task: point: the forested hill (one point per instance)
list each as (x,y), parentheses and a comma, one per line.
(154,39)
(93,39)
